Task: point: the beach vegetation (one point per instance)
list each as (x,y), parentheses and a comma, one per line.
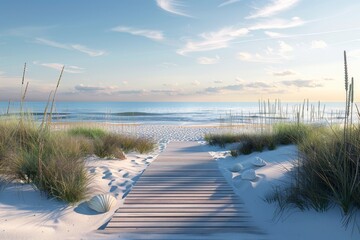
(281,134)
(327,171)
(54,161)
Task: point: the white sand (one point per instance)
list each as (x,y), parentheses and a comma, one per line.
(26,214)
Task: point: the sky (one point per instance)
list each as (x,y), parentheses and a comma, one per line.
(179,50)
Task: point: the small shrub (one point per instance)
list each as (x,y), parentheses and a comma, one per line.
(247,148)
(222,139)
(290,133)
(92,133)
(234,153)
(271,146)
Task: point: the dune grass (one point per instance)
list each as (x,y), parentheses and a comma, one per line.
(282,134)
(327,172)
(54,161)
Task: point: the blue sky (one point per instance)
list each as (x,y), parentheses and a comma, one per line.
(179,50)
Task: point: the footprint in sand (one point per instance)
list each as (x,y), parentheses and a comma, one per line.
(112,180)
(107,174)
(124,173)
(113,188)
(123,184)
(92,170)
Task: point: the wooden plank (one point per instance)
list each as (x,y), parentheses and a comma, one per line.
(144,176)
(125,216)
(180,201)
(192,231)
(188,230)
(161,188)
(203,197)
(167,194)
(175,175)
(179,205)
(202,210)
(182,224)
(182,192)
(188,183)
(187,219)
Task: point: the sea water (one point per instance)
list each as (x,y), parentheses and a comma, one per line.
(181,113)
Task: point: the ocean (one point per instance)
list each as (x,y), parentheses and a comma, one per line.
(182,113)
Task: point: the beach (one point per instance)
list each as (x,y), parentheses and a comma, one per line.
(25,213)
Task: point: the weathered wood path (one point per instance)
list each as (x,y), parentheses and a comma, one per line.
(183,192)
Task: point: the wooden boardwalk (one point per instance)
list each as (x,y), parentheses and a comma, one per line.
(183,192)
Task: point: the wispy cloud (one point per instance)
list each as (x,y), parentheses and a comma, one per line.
(278,24)
(76,47)
(88,51)
(172,6)
(195,83)
(208,60)
(59,66)
(275,34)
(275,7)
(282,73)
(238,87)
(284,49)
(318,44)
(300,83)
(228,2)
(256,57)
(52,43)
(151,34)
(269,55)
(218,81)
(213,40)
(131,92)
(95,89)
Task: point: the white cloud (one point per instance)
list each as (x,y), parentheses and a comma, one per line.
(88,51)
(95,89)
(195,83)
(151,34)
(275,34)
(256,57)
(228,2)
(284,48)
(207,60)
(213,40)
(77,47)
(218,81)
(275,7)
(52,43)
(282,73)
(171,84)
(172,6)
(59,66)
(318,44)
(300,83)
(239,80)
(278,24)
(269,55)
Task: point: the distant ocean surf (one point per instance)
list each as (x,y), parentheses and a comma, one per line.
(181,113)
